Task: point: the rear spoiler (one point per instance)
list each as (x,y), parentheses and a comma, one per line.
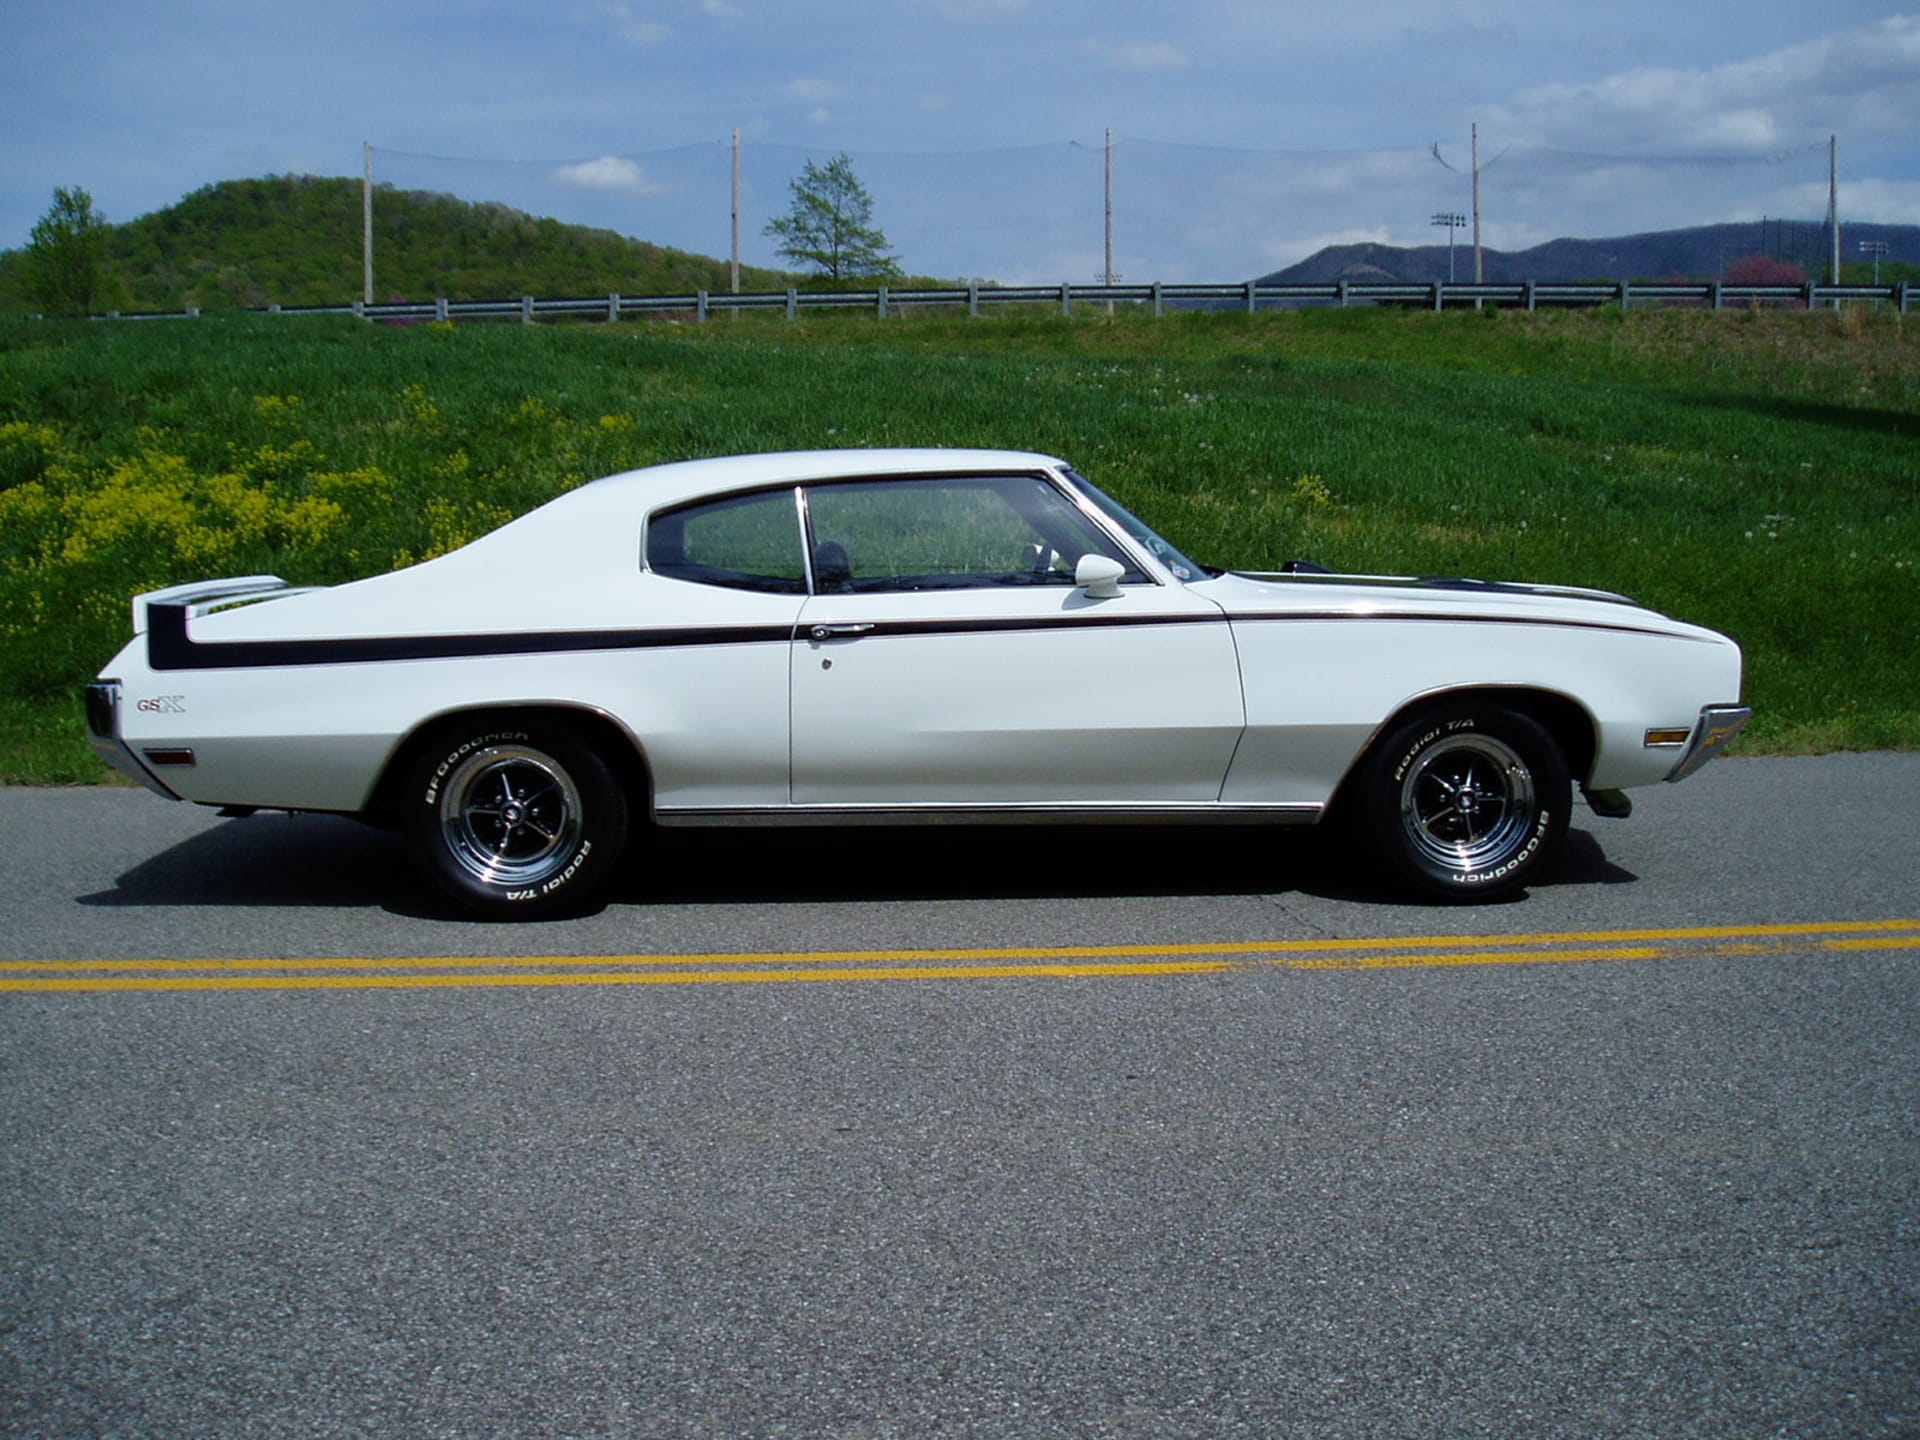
(203,597)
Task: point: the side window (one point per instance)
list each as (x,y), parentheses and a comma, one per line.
(946,534)
(745,542)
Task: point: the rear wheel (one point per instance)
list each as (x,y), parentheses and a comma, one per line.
(1467,802)
(517,820)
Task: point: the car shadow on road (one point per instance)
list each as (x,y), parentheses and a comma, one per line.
(270,859)
(318,861)
(1026,862)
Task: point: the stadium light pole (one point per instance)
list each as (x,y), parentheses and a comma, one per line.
(1875,248)
(1453,222)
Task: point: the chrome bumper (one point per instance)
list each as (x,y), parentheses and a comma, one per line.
(103,730)
(1718,726)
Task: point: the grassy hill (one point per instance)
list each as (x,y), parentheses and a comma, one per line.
(1753,471)
(296,240)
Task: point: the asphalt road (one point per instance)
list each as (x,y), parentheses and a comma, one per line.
(1075,1133)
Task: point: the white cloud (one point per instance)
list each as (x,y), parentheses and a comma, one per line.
(1889,202)
(1857,81)
(809,88)
(633,27)
(1140,55)
(613,173)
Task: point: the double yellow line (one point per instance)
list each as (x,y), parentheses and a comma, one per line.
(1037,962)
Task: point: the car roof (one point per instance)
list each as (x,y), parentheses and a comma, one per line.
(687,479)
(596,522)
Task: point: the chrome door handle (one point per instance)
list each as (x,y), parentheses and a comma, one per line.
(836,632)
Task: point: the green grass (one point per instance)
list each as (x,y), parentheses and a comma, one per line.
(1754,472)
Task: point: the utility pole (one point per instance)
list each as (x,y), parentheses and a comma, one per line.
(1833,205)
(1109,212)
(366,221)
(1107,275)
(736,214)
(1479,259)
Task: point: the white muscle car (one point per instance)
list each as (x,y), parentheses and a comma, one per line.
(896,637)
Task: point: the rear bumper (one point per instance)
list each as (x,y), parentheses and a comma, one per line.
(1718,726)
(103,730)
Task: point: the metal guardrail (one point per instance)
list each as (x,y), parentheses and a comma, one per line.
(1249,297)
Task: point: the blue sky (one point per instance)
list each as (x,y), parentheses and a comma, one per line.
(1245,134)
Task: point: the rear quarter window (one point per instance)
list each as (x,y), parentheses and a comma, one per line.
(742,542)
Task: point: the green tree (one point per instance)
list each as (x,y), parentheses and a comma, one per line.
(830,225)
(66,258)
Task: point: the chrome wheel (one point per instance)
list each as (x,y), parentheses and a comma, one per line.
(514,817)
(510,815)
(1463,801)
(1468,803)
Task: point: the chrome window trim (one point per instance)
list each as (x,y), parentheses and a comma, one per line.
(1143,560)
(1066,479)
(1102,524)
(803,517)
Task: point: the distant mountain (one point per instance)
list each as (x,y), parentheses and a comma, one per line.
(1702,253)
(295,240)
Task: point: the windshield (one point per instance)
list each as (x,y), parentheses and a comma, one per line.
(1183,569)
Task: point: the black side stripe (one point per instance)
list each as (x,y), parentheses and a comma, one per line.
(170,647)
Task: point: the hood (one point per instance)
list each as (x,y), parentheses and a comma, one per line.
(1432,582)
(1250,595)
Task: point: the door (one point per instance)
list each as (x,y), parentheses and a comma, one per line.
(948,659)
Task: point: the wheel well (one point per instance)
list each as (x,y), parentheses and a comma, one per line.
(1564,719)
(612,743)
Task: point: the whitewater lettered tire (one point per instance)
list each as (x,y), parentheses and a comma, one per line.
(515,820)
(1466,802)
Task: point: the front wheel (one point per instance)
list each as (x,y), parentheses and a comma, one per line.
(1467,802)
(515,820)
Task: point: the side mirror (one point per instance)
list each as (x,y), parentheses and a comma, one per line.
(1099,576)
